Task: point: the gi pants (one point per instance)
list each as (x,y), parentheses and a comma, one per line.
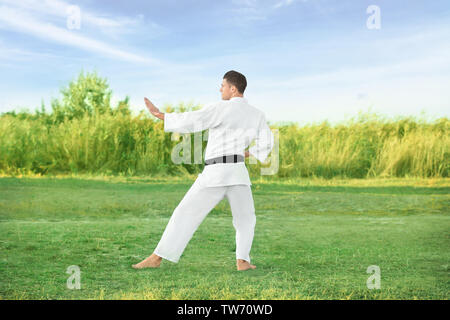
(195,206)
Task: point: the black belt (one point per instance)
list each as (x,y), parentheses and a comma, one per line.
(225,159)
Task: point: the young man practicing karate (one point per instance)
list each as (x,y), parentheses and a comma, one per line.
(233,124)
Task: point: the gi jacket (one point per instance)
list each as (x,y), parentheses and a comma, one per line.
(233,125)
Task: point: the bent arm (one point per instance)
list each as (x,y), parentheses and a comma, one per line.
(264,142)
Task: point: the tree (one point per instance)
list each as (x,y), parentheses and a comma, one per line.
(89,95)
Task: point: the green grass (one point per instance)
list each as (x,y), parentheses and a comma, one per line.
(314,239)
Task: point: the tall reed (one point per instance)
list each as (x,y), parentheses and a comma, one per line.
(137,145)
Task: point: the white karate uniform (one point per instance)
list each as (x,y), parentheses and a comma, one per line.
(233,124)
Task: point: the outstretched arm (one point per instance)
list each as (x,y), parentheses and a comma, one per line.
(153,110)
(188,122)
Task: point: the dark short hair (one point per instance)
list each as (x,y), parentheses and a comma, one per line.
(236,79)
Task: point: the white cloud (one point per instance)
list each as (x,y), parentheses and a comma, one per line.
(283,3)
(368,74)
(17,54)
(58,8)
(16,20)
(252,10)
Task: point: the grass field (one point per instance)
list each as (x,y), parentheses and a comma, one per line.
(314,239)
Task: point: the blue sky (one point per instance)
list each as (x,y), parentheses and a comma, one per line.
(305,61)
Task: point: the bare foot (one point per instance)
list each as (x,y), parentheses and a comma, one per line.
(152,261)
(244,265)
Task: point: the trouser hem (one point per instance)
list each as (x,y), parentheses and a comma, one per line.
(246,259)
(165,257)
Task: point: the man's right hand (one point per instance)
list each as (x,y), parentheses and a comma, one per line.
(153,110)
(247,154)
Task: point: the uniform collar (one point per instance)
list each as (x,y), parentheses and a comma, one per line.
(238,99)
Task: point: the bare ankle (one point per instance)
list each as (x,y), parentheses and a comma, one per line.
(156,257)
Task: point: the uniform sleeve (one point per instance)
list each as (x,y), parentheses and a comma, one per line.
(193,121)
(264,141)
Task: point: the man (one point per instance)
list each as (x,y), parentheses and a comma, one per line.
(233,124)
